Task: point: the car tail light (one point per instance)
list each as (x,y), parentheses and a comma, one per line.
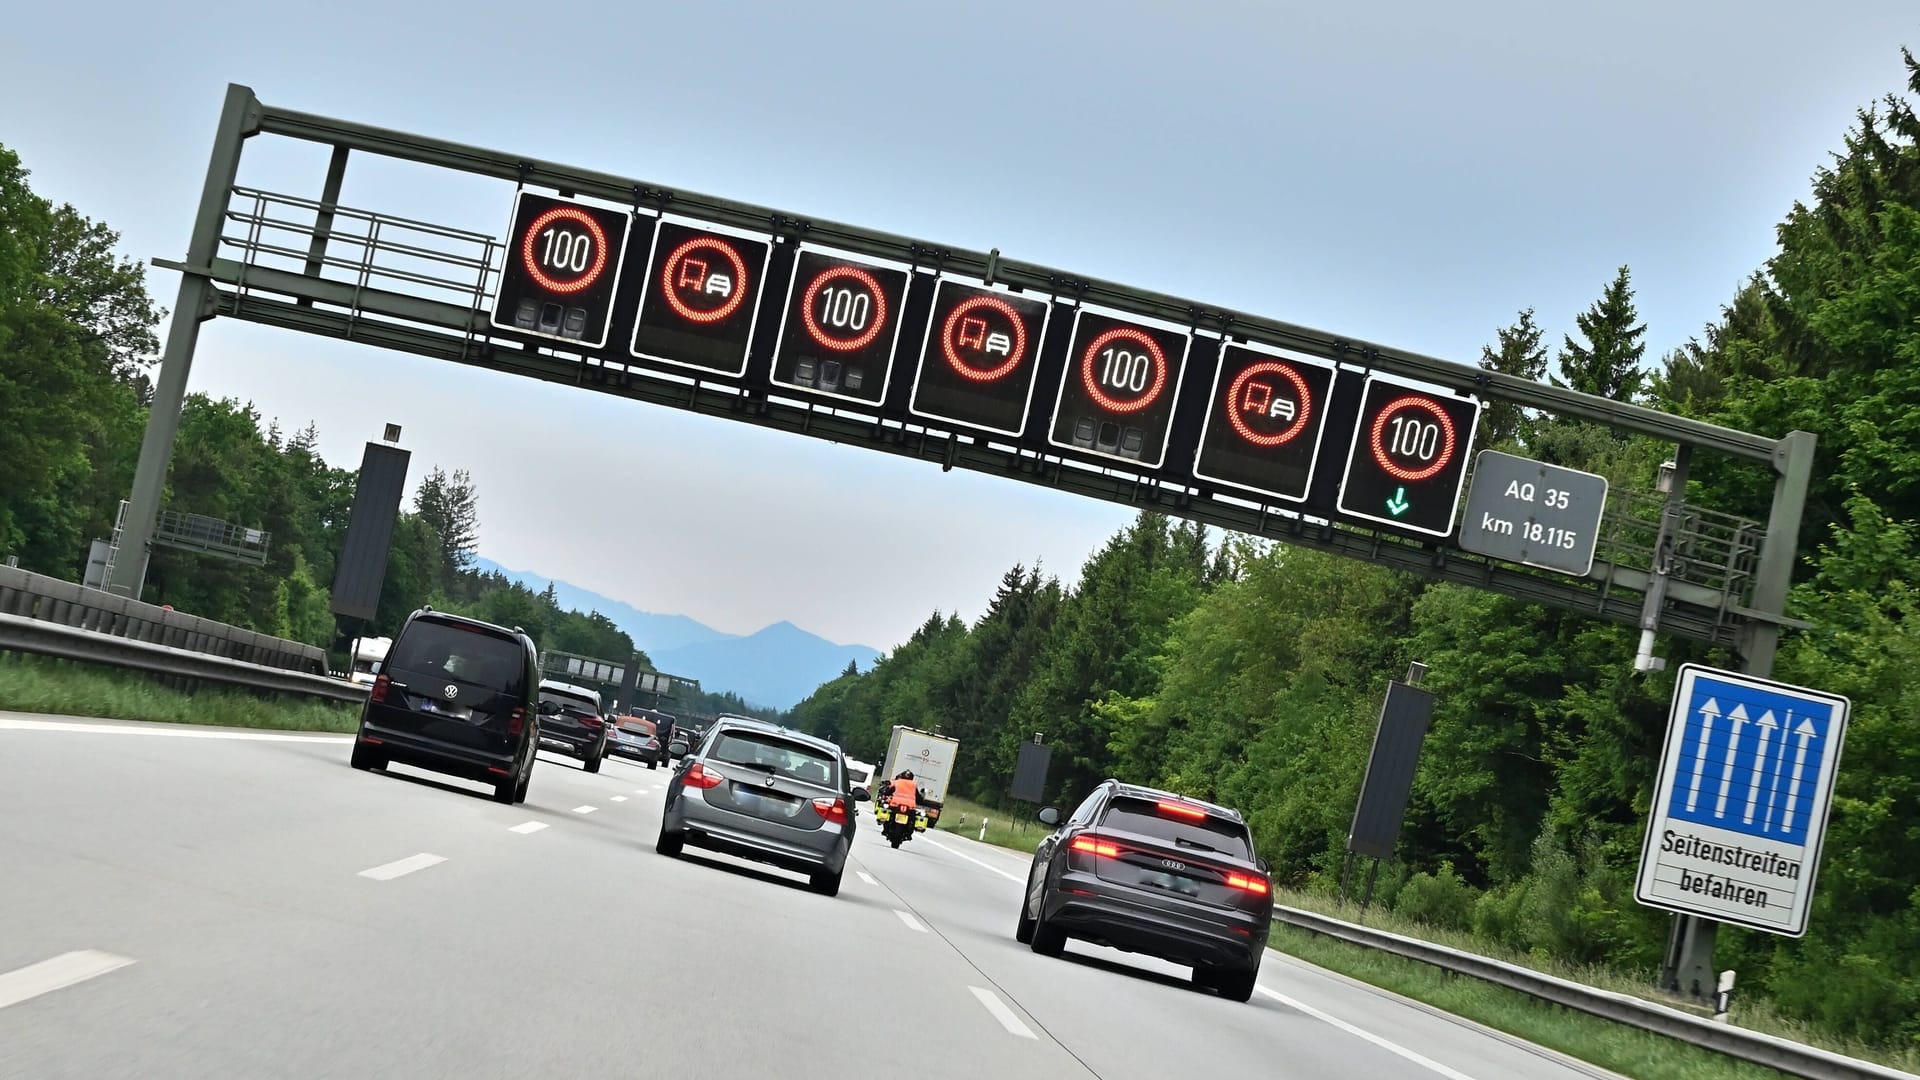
(378,694)
(1254,885)
(1192,813)
(593,722)
(516,720)
(699,777)
(834,810)
(1095,846)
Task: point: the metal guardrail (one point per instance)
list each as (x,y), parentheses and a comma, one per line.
(1796,1059)
(46,615)
(67,643)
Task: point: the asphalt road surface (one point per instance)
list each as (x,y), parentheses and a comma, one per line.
(194,902)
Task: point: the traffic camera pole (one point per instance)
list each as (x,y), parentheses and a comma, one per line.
(1689,965)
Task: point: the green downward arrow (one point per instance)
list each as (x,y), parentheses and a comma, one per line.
(1398,504)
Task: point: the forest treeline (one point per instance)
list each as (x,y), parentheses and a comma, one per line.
(1253,673)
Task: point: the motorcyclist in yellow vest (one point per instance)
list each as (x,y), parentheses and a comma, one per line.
(905,794)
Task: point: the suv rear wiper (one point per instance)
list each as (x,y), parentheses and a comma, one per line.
(1184,842)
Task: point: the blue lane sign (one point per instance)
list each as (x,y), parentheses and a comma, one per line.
(1741,809)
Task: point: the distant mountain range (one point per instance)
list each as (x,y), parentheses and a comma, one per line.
(775,666)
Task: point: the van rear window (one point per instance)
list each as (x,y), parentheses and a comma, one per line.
(1201,834)
(433,649)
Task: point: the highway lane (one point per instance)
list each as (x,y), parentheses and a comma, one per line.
(238,905)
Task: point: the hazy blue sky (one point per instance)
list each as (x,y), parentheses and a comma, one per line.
(1403,171)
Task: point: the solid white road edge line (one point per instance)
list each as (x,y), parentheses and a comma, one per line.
(1002,1013)
(184,731)
(400,867)
(1015,878)
(619,798)
(585,809)
(526,827)
(57,973)
(912,923)
(1390,1047)
(866,877)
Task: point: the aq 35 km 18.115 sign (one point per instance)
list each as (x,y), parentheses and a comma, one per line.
(1118,392)
(1408,457)
(562,269)
(702,296)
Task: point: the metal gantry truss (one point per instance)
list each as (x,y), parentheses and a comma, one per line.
(311,265)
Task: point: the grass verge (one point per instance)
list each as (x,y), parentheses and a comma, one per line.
(1005,829)
(1629,1051)
(40,685)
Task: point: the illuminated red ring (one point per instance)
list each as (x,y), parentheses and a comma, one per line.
(879,309)
(739,276)
(1299,422)
(599,249)
(1380,452)
(1019,339)
(1093,387)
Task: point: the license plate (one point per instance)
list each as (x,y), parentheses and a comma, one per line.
(455,712)
(1183,886)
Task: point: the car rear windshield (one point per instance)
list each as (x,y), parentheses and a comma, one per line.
(442,650)
(573,703)
(1201,834)
(778,755)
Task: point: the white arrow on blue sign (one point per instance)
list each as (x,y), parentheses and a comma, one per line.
(1741,808)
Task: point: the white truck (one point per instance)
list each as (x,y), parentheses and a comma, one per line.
(368,655)
(929,756)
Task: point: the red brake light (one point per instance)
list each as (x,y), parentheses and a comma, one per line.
(593,722)
(379,692)
(516,720)
(1254,885)
(1193,813)
(1094,847)
(834,810)
(699,777)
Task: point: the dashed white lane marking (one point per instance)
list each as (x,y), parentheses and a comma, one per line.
(9,723)
(526,827)
(401,867)
(585,809)
(619,798)
(57,973)
(1015,878)
(1002,1013)
(1360,1033)
(640,791)
(866,877)
(912,923)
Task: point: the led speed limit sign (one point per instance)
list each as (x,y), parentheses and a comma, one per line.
(1408,457)
(562,269)
(839,329)
(1122,378)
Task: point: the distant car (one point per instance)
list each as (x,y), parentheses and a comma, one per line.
(1153,872)
(457,696)
(572,723)
(765,793)
(636,737)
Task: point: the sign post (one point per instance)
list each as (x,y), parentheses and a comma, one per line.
(1740,810)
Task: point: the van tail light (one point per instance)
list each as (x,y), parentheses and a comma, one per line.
(1254,885)
(1191,813)
(834,810)
(516,721)
(1093,845)
(378,695)
(699,777)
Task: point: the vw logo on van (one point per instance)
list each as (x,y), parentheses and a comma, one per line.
(452,691)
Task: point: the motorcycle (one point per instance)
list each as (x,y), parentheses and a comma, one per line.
(897,824)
